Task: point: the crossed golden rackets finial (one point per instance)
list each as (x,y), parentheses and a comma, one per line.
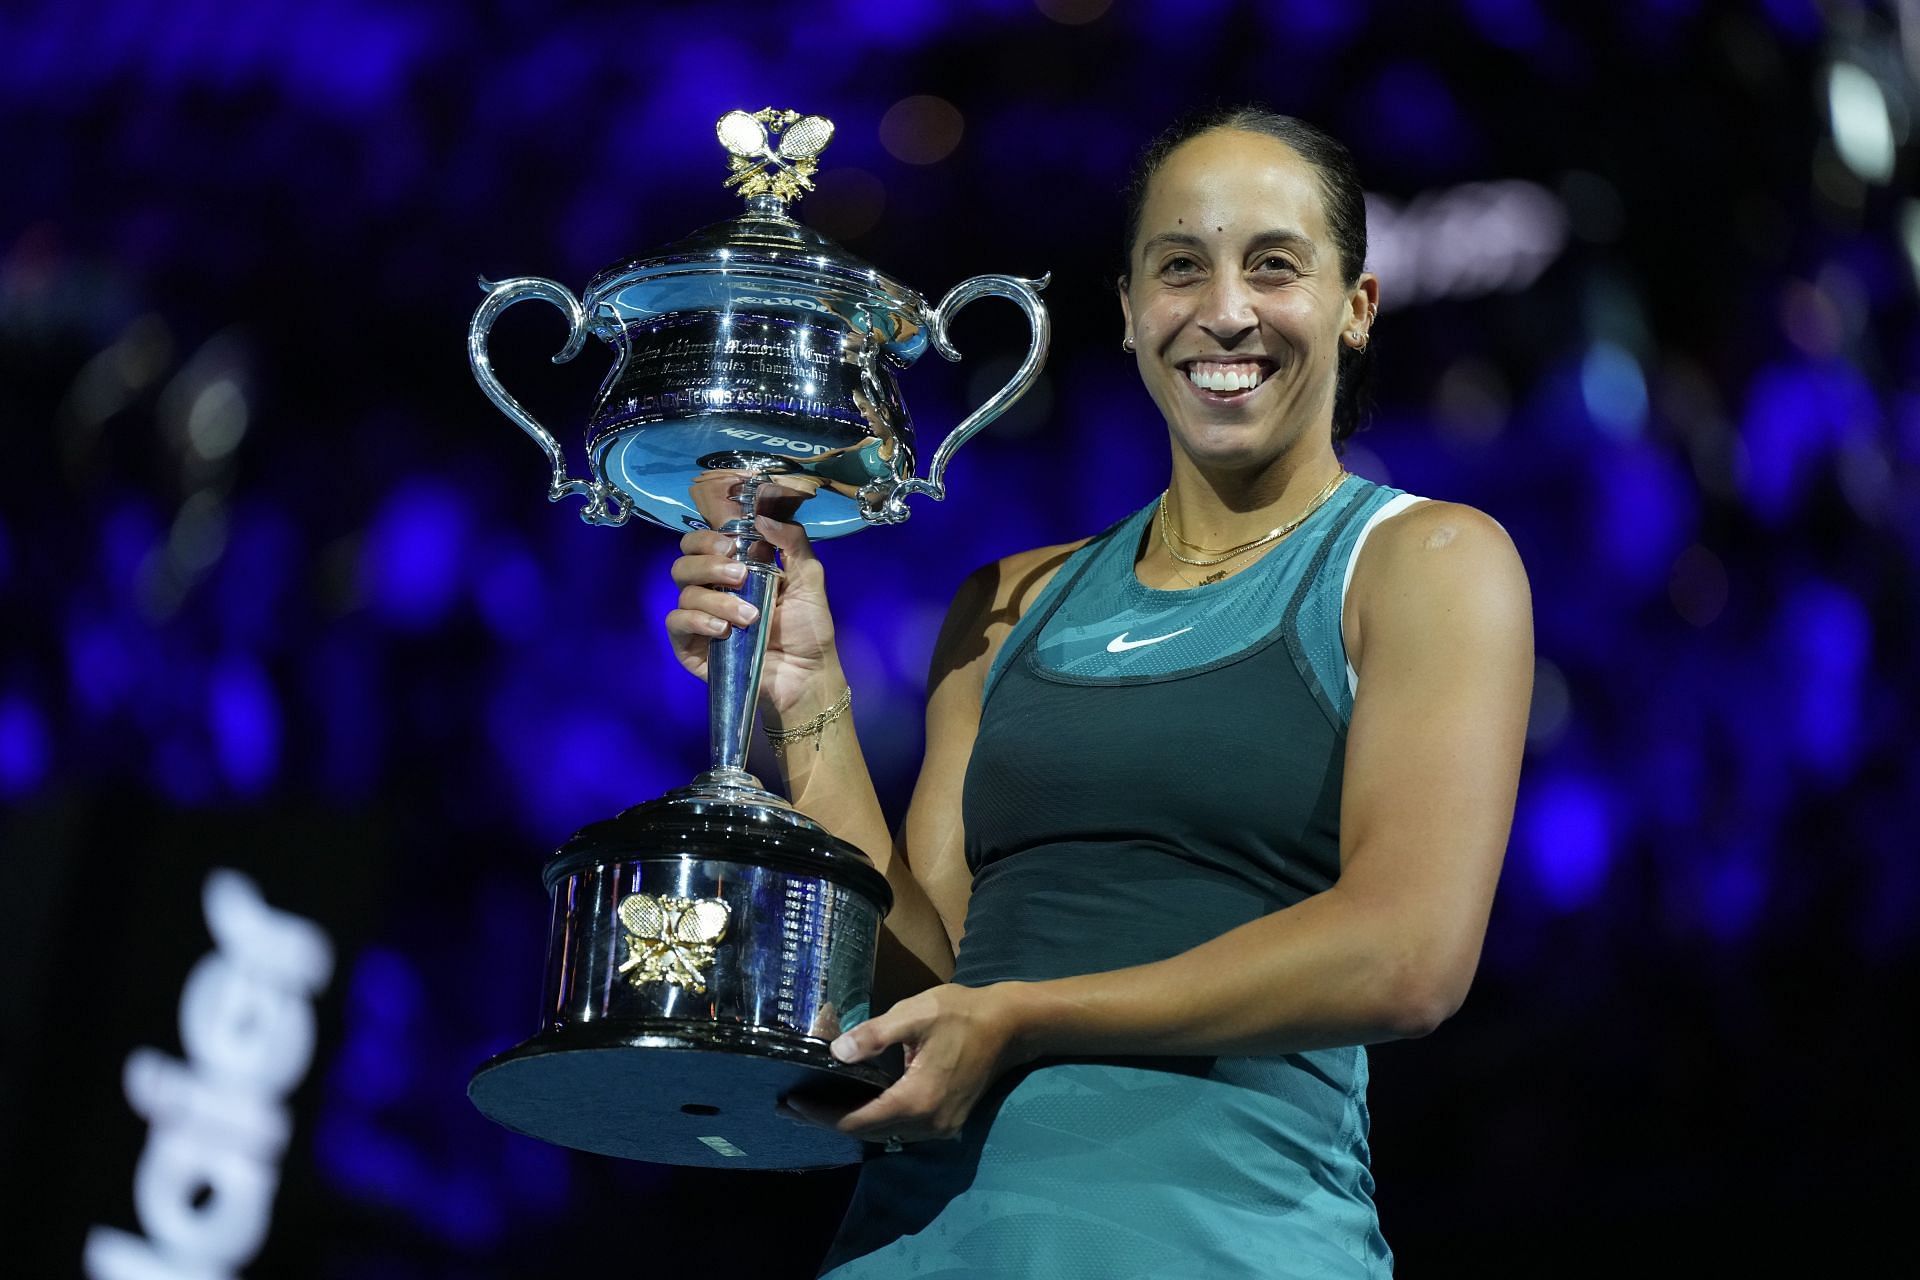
(762,168)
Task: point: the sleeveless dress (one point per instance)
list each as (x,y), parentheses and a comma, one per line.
(1153,768)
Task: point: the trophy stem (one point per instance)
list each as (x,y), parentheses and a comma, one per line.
(735,660)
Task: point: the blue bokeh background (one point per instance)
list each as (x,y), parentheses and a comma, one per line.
(265,546)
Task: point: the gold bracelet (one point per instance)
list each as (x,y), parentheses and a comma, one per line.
(814,728)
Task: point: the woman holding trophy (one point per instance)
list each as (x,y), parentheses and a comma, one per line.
(1210,800)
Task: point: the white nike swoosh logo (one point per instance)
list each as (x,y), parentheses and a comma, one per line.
(1120,643)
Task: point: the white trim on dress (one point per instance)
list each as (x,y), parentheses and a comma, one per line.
(1393,507)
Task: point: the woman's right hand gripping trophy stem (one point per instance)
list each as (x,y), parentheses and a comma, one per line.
(801,675)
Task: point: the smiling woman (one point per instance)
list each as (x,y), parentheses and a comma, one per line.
(1243,283)
(1211,800)
(1333,191)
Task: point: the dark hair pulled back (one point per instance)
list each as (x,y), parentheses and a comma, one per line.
(1340,192)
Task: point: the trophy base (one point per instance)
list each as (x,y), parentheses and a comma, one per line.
(703,951)
(672,1093)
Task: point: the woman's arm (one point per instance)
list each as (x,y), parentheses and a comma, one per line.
(925,863)
(1443,628)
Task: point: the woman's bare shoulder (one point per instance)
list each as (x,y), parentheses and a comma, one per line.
(992,599)
(1016,581)
(1432,562)
(1451,530)
(1439,578)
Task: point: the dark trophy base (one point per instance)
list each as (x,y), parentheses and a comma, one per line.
(703,952)
(676,1095)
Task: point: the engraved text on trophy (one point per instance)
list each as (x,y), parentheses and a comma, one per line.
(783,380)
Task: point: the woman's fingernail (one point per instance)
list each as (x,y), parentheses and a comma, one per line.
(843,1048)
(733,572)
(747,612)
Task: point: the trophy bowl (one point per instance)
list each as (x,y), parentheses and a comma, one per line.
(705,947)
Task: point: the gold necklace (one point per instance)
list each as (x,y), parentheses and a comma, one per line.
(1210,578)
(1271,535)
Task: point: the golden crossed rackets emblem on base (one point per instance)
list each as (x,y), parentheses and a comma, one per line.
(671,939)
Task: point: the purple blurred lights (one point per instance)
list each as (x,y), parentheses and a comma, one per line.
(1825,641)
(1566,824)
(414,555)
(243,718)
(1797,414)
(25,745)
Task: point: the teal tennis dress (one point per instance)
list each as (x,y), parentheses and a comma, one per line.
(1153,768)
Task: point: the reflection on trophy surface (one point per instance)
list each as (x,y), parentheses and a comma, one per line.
(705,946)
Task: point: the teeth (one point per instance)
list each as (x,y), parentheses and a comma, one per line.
(1224,377)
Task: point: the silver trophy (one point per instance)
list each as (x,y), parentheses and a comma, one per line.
(705,947)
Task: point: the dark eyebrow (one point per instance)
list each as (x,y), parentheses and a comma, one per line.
(1294,240)
(1300,243)
(1184,239)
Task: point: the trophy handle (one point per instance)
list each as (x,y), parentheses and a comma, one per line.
(1025,294)
(605,504)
